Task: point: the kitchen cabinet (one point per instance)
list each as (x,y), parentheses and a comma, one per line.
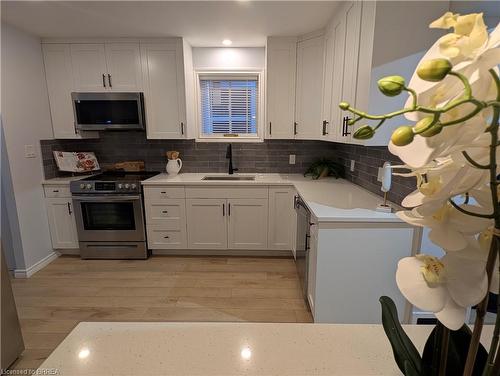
(281,75)
(164,90)
(333,77)
(62,223)
(89,66)
(165,218)
(311,267)
(106,67)
(124,72)
(282,218)
(247,223)
(59,77)
(309,89)
(206,222)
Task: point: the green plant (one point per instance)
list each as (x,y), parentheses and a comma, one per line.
(325,167)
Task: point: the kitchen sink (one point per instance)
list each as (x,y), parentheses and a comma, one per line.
(229,178)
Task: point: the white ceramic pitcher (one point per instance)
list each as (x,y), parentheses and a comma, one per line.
(174,166)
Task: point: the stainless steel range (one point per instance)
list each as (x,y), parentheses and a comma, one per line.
(109,215)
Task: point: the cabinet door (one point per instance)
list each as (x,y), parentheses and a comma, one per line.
(309,88)
(164,92)
(282,219)
(59,76)
(123,61)
(89,67)
(62,223)
(351,59)
(332,90)
(281,72)
(247,223)
(206,223)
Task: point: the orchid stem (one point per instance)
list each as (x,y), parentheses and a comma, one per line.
(474,163)
(467,212)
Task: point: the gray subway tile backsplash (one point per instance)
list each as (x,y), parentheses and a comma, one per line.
(270,156)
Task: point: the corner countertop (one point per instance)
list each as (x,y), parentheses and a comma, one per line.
(329,199)
(192,349)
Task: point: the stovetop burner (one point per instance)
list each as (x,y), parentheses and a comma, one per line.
(122,176)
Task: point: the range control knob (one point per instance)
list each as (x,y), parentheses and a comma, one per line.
(127,186)
(82,186)
(89,186)
(120,186)
(133,186)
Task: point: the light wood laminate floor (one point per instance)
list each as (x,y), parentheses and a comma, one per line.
(163,288)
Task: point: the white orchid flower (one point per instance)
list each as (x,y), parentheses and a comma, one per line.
(442,179)
(445,286)
(449,228)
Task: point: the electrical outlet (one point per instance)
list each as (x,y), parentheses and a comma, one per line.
(29,151)
(352,164)
(380,174)
(291,159)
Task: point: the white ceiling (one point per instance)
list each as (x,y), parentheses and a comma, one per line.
(202,23)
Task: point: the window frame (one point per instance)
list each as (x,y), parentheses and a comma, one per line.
(231,74)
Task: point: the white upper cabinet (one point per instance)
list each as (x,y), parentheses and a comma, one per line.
(309,92)
(107,67)
(89,67)
(281,72)
(333,79)
(124,67)
(59,76)
(164,91)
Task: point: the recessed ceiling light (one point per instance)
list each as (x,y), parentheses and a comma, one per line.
(227,42)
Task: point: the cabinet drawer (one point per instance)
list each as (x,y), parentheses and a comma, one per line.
(52,191)
(160,238)
(160,193)
(227,192)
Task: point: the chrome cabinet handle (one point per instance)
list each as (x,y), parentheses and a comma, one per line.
(109,80)
(103,80)
(69,209)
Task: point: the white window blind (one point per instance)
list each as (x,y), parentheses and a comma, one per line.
(229,105)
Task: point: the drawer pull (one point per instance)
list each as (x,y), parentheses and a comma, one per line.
(164,211)
(163,193)
(56,191)
(166,237)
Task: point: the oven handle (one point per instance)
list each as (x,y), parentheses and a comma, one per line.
(106,198)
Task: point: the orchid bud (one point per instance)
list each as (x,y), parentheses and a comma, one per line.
(344,105)
(434,70)
(402,136)
(426,128)
(364,133)
(391,85)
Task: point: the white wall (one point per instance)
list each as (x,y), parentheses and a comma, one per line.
(26,120)
(251,58)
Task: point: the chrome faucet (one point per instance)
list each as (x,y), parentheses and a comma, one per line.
(229,155)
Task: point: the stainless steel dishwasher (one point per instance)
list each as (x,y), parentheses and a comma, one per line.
(302,243)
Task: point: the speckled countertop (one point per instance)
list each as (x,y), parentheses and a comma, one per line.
(221,349)
(330,200)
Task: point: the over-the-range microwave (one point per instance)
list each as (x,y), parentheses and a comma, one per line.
(108,111)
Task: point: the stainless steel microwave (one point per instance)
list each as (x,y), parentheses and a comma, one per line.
(108,111)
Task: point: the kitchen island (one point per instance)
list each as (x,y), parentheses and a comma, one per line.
(220,349)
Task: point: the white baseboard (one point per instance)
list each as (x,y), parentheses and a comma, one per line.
(27,273)
(222,252)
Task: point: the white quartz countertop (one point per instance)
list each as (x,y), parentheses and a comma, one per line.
(330,200)
(221,349)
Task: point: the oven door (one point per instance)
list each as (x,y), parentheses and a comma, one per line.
(109,218)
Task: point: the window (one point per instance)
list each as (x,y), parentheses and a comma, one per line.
(229,105)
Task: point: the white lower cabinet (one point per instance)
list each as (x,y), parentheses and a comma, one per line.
(62,223)
(206,222)
(247,223)
(282,218)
